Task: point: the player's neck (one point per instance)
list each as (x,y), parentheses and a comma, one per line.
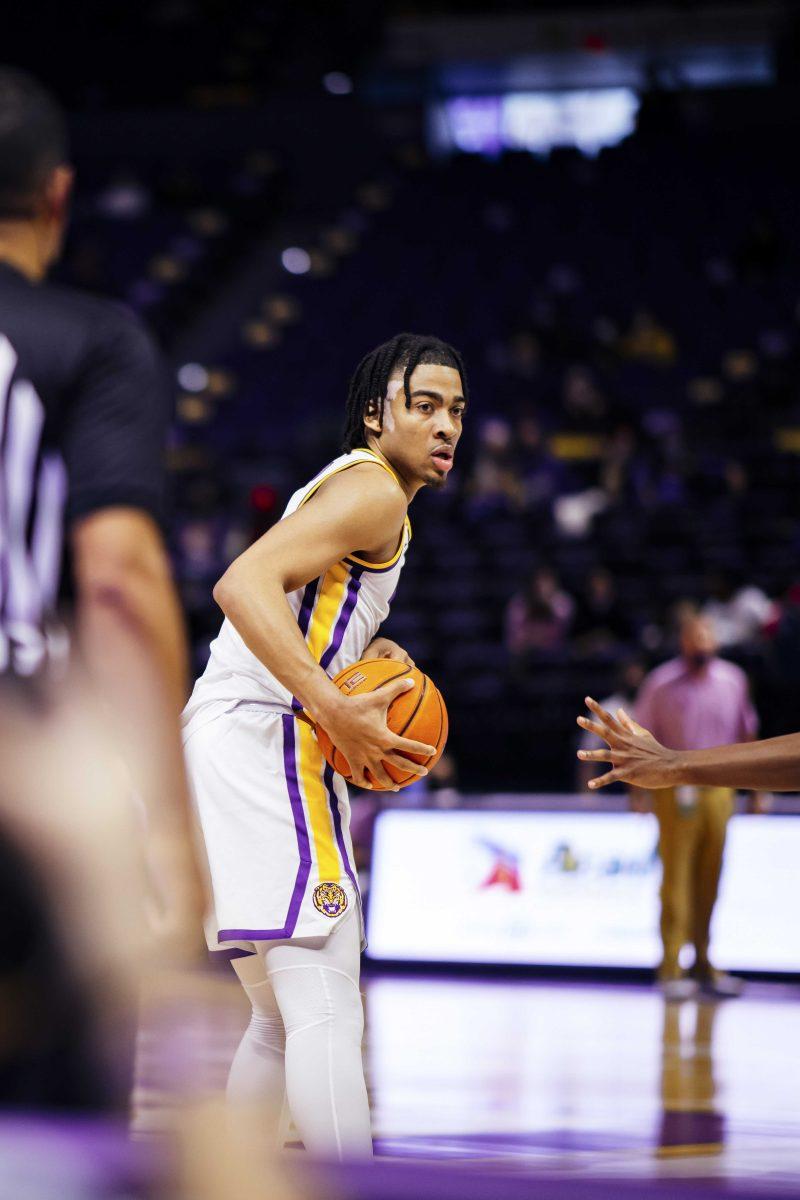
(409,486)
(21,248)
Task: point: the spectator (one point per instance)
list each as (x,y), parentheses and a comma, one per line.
(737,612)
(694,701)
(197,548)
(521,358)
(495,483)
(602,625)
(647,341)
(624,475)
(543,476)
(584,406)
(538,619)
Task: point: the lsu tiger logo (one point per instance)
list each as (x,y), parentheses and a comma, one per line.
(330,899)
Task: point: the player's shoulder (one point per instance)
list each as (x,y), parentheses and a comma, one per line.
(666,673)
(365,479)
(727,671)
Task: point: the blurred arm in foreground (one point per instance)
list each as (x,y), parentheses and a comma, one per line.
(133,647)
(86,407)
(637,758)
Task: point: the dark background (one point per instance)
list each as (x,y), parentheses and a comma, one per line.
(207,141)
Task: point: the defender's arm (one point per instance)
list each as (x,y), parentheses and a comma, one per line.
(637,758)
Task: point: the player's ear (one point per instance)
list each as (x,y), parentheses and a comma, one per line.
(58,189)
(373,418)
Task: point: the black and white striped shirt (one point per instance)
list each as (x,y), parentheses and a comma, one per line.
(84,408)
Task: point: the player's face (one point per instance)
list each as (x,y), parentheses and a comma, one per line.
(420,440)
(698,641)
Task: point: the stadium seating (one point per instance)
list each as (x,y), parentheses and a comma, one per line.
(691,448)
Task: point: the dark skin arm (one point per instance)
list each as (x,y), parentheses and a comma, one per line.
(637,758)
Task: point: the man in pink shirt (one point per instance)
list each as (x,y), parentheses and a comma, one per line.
(692,702)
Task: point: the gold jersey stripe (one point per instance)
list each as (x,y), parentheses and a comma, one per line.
(326,609)
(311,764)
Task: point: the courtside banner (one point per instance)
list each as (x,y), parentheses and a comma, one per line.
(569,889)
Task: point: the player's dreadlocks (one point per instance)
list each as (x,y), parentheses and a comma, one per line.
(370,382)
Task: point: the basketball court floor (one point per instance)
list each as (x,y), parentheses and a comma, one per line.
(577,1081)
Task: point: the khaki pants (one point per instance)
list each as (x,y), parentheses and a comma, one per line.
(691,844)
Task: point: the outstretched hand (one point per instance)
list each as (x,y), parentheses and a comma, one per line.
(636,757)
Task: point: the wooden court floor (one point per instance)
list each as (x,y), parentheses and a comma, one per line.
(578,1079)
(587,1078)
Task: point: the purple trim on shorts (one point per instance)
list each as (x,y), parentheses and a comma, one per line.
(346,613)
(304,867)
(327,778)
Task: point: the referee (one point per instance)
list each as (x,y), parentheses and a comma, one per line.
(84,409)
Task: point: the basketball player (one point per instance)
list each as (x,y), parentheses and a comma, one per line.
(302,602)
(637,758)
(84,410)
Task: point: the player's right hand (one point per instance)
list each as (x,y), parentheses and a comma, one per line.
(357,727)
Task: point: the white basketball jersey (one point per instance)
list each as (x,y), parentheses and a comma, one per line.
(339,614)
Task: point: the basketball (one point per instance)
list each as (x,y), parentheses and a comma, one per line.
(419,713)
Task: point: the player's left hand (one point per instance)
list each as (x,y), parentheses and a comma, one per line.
(634,753)
(381,647)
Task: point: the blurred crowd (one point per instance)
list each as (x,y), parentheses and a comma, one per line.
(544,620)
(633,434)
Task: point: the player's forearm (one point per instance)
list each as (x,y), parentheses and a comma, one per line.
(771,765)
(133,645)
(123,577)
(155,609)
(260,613)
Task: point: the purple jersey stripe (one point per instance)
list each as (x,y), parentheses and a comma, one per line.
(304,620)
(346,613)
(307,606)
(337,824)
(301,829)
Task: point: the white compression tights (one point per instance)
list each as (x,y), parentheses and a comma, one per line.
(304,1038)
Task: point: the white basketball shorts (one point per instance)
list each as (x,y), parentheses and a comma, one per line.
(275,820)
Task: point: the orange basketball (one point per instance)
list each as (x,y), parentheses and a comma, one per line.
(419,714)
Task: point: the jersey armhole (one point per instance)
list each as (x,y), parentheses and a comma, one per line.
(405,538)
